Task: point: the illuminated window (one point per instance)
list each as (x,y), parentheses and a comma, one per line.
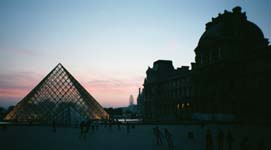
(182,106)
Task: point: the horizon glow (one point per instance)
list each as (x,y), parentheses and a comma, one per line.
(106,45)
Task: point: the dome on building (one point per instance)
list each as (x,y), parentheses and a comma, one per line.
(232,28)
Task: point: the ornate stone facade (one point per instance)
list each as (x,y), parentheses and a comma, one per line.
(230,76)
(167,91)
(232,71)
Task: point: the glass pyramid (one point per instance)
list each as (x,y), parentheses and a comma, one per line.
(58,97)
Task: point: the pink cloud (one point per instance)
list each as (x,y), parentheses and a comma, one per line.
(16,85)
(12,92)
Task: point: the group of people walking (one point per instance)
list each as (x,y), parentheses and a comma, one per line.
(158,137)
(119,125)
(86,125)
(84,128)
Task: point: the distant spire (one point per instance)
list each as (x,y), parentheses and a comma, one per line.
(131,100)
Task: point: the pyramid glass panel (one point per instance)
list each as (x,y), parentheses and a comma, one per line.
(58,97)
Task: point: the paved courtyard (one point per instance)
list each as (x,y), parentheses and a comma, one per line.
(139,138)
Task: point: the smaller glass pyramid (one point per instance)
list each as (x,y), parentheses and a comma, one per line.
(58,97)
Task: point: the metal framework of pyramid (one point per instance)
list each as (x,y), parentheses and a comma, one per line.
(58,97)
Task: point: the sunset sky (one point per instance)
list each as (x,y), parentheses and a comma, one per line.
(106,45)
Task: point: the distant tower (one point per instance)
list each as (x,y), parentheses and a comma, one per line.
(138,97)
(131,100)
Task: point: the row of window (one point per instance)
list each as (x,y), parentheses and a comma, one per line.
(177,83)
(183,105)
(181,92)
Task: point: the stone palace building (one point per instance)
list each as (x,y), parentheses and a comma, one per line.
(229,79)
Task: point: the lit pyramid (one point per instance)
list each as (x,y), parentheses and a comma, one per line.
(59,97)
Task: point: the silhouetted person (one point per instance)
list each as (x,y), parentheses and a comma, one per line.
(169,139)
(96,126)
(209,140)
(154,133)
(54,125)
(30,123)
(93,128)
(88,124)
(230,140)
(105,123)
(82,130)
(261,144)
(110,125)
(118,124)
(4,127)
(190,135)
(244,144)
(220,140)
(157,135)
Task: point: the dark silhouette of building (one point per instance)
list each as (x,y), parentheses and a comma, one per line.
(229,80)
(58,97)
(140,102)
(167,91)
(232,71)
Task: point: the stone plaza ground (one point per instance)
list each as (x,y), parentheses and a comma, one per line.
(185,137)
